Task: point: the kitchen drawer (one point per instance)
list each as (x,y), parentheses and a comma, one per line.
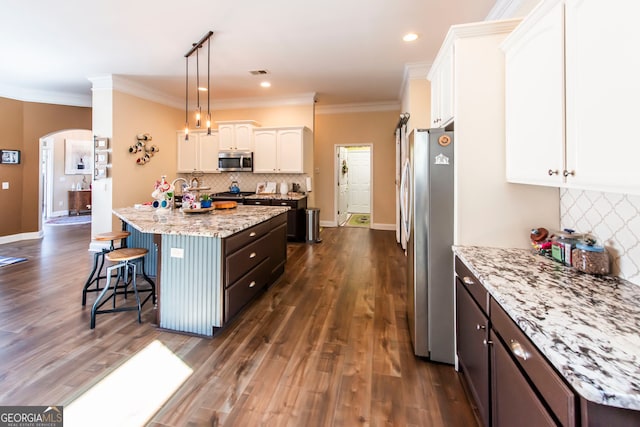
(243,238)
(472,284)
(245,289)
(293,204)
(551,387)
(243,260)
(262,202)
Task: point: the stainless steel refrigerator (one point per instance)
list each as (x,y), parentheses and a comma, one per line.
(427,197)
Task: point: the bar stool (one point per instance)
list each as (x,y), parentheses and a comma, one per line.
(125,258)
(94,276)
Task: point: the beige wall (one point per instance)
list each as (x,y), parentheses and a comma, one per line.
(133,183)
(22,125)
(376,128)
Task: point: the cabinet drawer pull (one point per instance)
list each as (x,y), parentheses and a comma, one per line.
(252,234)
(518,350)
(258,203)
(468,281)
(252,284)
(487,342)
(480,327)
(552,172)
(283,204)
(252,255)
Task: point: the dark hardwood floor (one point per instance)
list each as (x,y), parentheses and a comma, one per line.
(327,345)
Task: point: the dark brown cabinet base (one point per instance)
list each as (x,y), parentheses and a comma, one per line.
(295,217)
(253,259)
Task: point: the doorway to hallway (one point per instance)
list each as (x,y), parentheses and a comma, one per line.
(354,185)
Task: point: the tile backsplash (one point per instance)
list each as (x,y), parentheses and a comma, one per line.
(247,181)
(612,219)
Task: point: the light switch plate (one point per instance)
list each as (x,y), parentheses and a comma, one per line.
(5,185)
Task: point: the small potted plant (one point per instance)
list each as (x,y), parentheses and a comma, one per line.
(205,201)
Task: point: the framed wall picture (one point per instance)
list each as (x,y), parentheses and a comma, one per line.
(78,157)
(10,157)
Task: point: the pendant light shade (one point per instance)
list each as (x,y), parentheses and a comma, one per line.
(198,115)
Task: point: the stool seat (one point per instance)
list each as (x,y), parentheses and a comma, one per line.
(126,254)
(112,235)
(98,260)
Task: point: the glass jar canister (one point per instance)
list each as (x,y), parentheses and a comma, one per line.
(590,259)
(563,245)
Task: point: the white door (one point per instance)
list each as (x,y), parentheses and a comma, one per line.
(359,164)
(343,186)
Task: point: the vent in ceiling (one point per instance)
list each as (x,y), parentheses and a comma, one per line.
(258,72)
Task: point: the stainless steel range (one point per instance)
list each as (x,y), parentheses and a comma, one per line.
(229,196)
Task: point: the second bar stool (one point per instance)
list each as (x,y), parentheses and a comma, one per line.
(125,258)
(98,258)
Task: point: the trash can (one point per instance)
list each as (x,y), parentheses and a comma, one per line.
(313,225)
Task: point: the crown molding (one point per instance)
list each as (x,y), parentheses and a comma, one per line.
(413,71)
(122,84)
(474,29)
(504,9)
(358,108)
(44,96)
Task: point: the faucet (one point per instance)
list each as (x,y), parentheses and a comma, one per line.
(173,184)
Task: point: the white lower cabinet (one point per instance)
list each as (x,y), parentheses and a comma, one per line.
(282,150)
(199,153)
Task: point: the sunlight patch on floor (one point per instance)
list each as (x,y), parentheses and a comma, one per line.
(130,395)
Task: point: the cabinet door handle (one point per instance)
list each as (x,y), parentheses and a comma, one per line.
(468,281)
(480,327)
(253,255)
(518,350)
(552,172)
(252,234)
(252,284)
(487,342)
(566,173)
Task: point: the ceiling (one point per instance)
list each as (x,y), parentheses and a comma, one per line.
(343,51)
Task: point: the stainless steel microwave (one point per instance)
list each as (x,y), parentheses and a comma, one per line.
(235,161)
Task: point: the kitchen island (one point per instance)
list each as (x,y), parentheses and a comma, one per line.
(547,314)
(208,265)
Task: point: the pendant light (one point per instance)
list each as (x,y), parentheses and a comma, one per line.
(195,48)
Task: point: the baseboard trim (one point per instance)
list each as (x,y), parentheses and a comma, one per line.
(386,227)
(22,236)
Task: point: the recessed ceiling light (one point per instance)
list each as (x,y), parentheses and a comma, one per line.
(409,37)
(202,89)
(265,84)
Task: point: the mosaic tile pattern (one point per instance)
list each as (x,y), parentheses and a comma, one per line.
(613,219)
(586,326)
(247,181)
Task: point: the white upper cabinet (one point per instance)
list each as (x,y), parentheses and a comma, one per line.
(199,153)
(534,98)
(572,92)
(603,94)
(265,154)
(442,87)
(283,150)
(236,135)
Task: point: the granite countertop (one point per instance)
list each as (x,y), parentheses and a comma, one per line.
(216,223)
(277,196)
(588,327)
